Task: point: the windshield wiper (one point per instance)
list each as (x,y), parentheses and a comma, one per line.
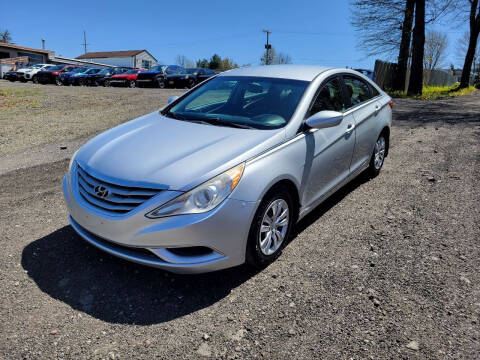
(221,122)
(175,116)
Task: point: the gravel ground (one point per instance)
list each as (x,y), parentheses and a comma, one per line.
(386,268)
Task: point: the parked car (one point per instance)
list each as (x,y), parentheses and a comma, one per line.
(10,76)
(126,79)
(188,78)
(30,73)
(254,150)
(155,76)
(50,75)
(66,78)
(78,76)
(102,78)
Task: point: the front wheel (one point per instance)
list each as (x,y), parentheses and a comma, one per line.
(82,82)
(270,229)
(378,156)
(131,83)
(106,83)
(35,79)
(58,81)
(161,83)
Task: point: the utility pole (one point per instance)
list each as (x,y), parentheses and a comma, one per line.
(85,42)
(43,44)
(267,47)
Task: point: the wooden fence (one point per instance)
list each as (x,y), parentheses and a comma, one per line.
(385,72)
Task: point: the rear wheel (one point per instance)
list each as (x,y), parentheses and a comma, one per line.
(106,83)
(35,79)
(58,81)
(270,229)
(378,156)
(190,83)
(131,83)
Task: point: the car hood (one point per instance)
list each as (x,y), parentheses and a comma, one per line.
(176,154)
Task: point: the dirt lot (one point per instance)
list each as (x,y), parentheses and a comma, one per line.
(387,268)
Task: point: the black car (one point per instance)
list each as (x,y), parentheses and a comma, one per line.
(102,78)
(10,75)
(188,78)
(155,76)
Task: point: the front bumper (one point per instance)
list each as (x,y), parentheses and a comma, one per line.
(137,238)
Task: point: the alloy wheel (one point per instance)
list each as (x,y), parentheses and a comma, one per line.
(379,152)
(274,227)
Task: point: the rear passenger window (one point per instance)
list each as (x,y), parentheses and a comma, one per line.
(357,90)
(330,97)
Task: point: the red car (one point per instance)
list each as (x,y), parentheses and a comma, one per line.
(126,79)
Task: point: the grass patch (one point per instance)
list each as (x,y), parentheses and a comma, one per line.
(435,92)
(12,97)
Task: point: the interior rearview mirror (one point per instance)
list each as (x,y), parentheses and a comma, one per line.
(324,119)
(172,99)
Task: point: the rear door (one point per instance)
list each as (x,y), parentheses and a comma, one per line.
(363,104)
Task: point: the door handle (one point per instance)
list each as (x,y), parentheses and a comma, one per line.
(377,109)
(350,128)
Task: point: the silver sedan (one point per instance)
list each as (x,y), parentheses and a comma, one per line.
(220,176)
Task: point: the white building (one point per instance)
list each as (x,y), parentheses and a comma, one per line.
(129,58)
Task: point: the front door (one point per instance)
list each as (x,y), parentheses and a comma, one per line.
(329,150)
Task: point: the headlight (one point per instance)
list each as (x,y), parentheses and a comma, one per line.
(204,197)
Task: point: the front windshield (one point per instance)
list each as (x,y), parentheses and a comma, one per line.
(104,71)
(56,67)
(92,71)
(129,72)
(37,66)
(157,68)
(78,70)
(191,71)
(257,102)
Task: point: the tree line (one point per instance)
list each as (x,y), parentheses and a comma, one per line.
(399,27)
(216,62)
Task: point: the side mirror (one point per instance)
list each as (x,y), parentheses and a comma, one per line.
(172,99)
(324,119)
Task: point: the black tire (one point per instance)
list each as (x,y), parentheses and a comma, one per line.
(131,84)
(106,83)
(161,83)
(58,81)
(35,79)
(190,83)
(375,167)
(254,256)
(82,82)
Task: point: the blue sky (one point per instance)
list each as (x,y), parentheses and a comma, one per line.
(310,31)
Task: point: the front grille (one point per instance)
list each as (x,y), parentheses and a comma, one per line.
(109,197)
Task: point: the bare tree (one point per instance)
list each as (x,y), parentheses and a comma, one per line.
(435,45)
(282,58)
(385,27)
(182,60)
(6,36)
(474,22)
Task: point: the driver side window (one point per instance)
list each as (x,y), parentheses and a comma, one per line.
(330,97)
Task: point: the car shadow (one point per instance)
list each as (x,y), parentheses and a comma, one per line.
(116,291)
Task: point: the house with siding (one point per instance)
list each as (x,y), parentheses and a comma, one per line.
(129,58)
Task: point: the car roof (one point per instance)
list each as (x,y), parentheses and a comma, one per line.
(296,72)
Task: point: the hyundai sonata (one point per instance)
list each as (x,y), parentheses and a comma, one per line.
(220,175)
